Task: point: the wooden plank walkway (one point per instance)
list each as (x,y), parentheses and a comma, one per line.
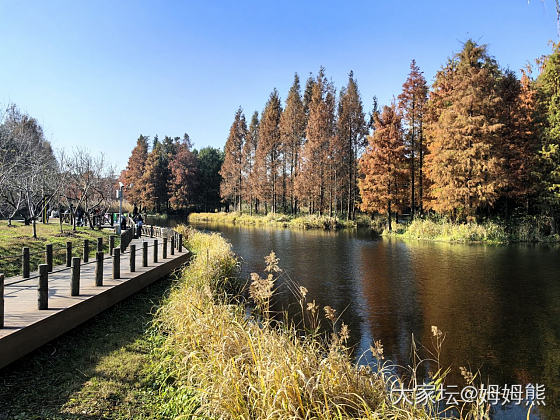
(27,328)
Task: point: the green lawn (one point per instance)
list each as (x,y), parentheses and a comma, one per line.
(14,238)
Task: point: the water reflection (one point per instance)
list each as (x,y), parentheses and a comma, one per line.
(499,306)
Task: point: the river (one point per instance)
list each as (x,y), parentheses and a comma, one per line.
(499,306)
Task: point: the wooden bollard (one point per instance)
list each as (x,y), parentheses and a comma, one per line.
(180,242)
(1,300)
(86,251)
(155,250)
(111,244)
(116,263)
(164,253)
(99,268)
(25,262)
(75,279)
(68,254)
(49,256)
(43,287)
(144,254)
(172,248)
(132,258)
(99,244)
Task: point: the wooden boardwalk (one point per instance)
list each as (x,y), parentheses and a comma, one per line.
(26,327)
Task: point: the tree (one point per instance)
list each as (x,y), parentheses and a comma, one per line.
(249,154)
(352,131)
(320,131)
(29,171)
(232,168)
(412,102)
(268,155)
(520,139)
(464,165)
(382,166)
(155,192)
(292,132)
(183,169)
(210,161)
(132,176)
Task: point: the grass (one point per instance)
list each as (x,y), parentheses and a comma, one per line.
(281,220)
(202,354)
(237,364)
(97,371)
(13,238)
(527,229)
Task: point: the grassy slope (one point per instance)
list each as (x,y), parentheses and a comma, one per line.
(280,220)
(13,238)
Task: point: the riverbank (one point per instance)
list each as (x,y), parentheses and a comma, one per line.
(281,220)
(529,229)
(199,354)
(18,235)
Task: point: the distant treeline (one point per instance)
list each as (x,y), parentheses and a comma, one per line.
(170,175)
(480,142)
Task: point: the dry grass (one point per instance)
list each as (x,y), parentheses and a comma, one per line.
(247,365)
(280,220)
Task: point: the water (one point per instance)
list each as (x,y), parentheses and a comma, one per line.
(499,306)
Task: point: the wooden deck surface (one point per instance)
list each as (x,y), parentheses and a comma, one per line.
(20,300)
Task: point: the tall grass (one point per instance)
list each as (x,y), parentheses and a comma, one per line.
(248,365)
(525,229)
(281,220)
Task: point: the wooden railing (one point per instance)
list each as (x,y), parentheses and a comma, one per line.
(73,264)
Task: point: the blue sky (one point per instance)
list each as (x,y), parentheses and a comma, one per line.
(98,74)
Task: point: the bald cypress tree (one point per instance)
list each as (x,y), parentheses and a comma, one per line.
(231,187)
(292,132)
(316,165)
(132,176)
(351,133)
(269,152)
(412,104)
(249,155)
(383,165)
(464,164)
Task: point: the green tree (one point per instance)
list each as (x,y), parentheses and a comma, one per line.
(548,84)
(210,162)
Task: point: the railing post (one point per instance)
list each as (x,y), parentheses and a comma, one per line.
(49,256)
(116,263)
(75,279)
(155,250)
(86,251)
(68,254)
(43,287)
(99,268)
(164,253)
(172,249)
(25,262)
(144,254)
(1,300)
(99,244)
(132,258)
(111,244)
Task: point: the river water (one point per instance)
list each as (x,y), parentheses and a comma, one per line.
(499,306)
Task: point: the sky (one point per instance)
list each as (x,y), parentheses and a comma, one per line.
(98,74)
